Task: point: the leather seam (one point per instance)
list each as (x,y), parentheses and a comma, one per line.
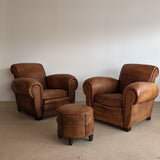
(40,95)
(15,70)
(151,78)
(76,114)
(90,88)
(80,124)
(71,81)
(124,107)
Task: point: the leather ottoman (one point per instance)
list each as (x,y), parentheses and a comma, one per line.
(75,121)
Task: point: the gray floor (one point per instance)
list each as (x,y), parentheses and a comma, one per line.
(24,138)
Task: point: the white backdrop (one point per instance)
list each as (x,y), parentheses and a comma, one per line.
(82,37)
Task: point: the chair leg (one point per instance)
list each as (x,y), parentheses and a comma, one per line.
(70,140)
(91,138)
(38,118)
(59,136)
(149,118)
(126,129)
(19,109)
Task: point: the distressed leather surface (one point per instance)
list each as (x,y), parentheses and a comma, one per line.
(136,73)
(54,93)
(63,81)
(137,88)
(29,70)
(112,100)
(39,95)
(98,85)
(75,121)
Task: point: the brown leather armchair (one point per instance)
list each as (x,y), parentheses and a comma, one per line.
(126,101)
(38,94)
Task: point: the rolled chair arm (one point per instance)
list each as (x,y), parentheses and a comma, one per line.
(141,91)
(63,81)
(25,86)
(98,85)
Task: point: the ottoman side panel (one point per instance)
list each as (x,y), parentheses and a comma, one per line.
(60,124)
(73,131)
(74,119)
(89,117)
(89,128)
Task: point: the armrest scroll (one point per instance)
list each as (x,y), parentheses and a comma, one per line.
(25,86)
(142,91)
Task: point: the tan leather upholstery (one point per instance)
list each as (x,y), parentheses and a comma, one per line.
(113,100)
(29,70)
(38,94)
(136,73)
(126,101)
(54,93)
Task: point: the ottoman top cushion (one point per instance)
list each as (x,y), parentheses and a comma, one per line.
(74,109)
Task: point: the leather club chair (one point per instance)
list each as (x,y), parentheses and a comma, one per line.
(124,102)
(38,94)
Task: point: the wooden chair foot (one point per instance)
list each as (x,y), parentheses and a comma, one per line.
(91,138)
(38,118)
(149,118)
(59,136)
(126,129)
(19,109)
(70,140)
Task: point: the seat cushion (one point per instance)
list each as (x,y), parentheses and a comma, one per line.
(112,100)
(54,93)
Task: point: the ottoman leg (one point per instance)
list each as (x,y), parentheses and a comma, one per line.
(149,118)
(70,140)
(91,138)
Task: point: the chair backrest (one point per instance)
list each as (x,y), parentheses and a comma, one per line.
(136,73)
(29,70)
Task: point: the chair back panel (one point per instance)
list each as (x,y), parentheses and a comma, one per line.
(29,70)
(136,73)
